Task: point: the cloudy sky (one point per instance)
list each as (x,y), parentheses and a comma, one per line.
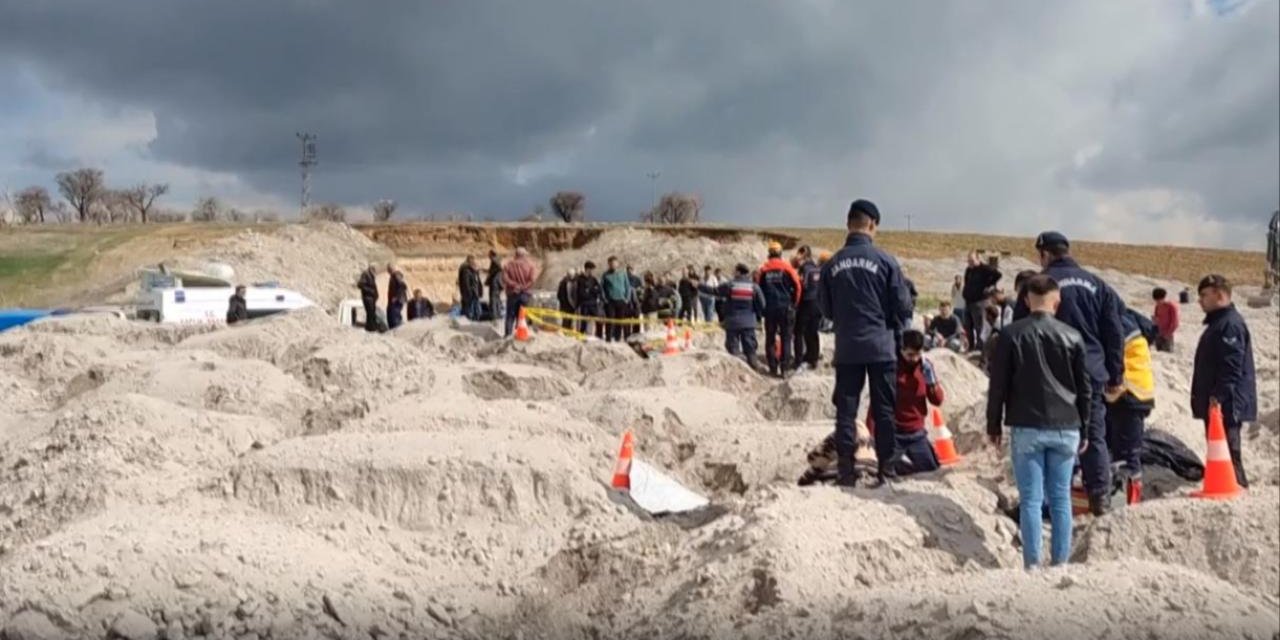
(1147,121)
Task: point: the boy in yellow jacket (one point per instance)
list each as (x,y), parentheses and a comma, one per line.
(1128,409)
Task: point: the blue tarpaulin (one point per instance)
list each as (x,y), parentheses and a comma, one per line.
(10,318)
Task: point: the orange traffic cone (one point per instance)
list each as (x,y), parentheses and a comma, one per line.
(522,327)
(1219,473)
(688,339)
(622,470)
(943,446)
(673,345)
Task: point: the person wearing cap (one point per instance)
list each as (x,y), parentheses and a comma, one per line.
(1090,306)
(743,306)
(782,292)
(1224,374)
(862,291)
(808,316)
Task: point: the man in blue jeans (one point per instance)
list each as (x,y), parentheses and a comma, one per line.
(1041,388)
(862,291)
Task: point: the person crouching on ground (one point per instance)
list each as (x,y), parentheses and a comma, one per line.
(420,308)
(743,308)
(918,387)
(1224,373)
(1040,387)
(945,330)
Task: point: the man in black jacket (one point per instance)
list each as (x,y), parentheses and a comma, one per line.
(689,294)
(589,300)
(470,289)
(808,315)
(420,307)
(1041,388)
(237,307)
(494,282)
(397,296)
(978,278)
(368,286)
(1224,372)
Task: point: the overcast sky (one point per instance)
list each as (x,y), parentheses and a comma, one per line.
(1144,120)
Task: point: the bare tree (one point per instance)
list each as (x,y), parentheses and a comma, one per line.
(383,210)
(32,205)
(141,198)
(676,208)
(61,213)
(82,188)
(116,206)
(571,206)
(264,215)
(327,212)
(207,210)
(236,215)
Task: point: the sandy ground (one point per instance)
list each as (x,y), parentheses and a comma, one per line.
(291,478)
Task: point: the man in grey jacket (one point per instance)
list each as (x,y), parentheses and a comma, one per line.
(1041,388)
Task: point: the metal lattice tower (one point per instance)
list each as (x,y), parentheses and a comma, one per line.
(308,160)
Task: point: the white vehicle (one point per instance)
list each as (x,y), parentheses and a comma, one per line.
(189,297)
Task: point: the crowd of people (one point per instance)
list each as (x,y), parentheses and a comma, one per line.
(1070,372)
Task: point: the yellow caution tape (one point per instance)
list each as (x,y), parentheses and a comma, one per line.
(544,316)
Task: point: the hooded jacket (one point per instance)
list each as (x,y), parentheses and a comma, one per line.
(863,293)
(587,294)
(780,284)
(1224,368)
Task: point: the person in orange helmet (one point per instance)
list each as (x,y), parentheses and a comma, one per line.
(782,292)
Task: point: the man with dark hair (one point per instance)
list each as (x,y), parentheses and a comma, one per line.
(743,306)
(917,388)
(862,292)
(978,278)
(564,295)
(1224,374)
(945,330)
(1092,308)
(808,315)
(1167,317)
(588,297)
(781,287)
(616,285)
(633,307)
(1041,388)
(494,282)
(689,294)
(518,277)
(237,307)
(420,308)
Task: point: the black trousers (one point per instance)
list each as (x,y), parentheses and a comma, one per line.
(596,328)
(778,326)
(1095,463)
(974,316)
(566,322)
(618,310)
(370,314)
(808,319)
(850,380)
(1233,445)
(742,342)
(1125,426)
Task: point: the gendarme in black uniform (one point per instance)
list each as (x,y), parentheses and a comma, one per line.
(1089,305)
(862,291)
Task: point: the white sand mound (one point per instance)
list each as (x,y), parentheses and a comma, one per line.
(731,460)
(1237,541)
(50,358)
(140,334)
(574,359)
(799,398)
(659,413)
(517,382)
(102,448)
(282,339)
(712,370)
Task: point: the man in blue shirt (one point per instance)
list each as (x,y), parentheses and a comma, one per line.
(862,291)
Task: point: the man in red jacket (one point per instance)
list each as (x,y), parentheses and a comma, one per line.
(918,388)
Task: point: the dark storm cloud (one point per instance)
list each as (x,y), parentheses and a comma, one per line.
(774,111)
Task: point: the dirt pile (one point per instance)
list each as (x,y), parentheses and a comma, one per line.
(658,253)
(320,260)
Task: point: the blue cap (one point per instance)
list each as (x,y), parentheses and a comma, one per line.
(1051,239)
(866,208)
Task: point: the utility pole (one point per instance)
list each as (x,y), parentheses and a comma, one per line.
(908,223)
(653,185)
(308,160)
